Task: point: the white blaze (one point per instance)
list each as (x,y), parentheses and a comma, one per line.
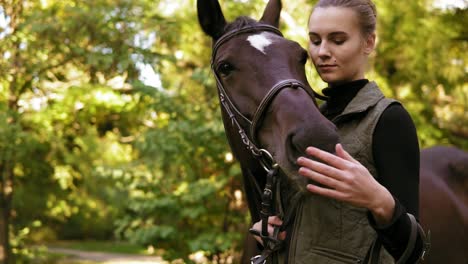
(260,41)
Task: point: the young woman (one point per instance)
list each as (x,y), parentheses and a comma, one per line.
(366,195)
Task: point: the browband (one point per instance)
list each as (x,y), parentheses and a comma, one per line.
(241,31)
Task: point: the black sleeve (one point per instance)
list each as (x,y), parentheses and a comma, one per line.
(396,155)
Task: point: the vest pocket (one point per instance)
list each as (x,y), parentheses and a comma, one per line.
(333,256)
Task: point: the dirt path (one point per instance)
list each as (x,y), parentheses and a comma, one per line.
(108,258)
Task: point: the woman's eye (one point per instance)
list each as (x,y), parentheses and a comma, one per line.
(225,68)
(315,42)
(314,39)
(339,41)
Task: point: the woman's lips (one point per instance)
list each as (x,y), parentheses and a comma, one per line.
(327,67)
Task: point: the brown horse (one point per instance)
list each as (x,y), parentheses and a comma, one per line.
(266,101)
(443,203)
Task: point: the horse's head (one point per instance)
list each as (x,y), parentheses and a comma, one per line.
(263,88)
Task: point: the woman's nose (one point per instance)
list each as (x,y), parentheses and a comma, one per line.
(323,50)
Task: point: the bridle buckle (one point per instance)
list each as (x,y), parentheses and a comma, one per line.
(258,260)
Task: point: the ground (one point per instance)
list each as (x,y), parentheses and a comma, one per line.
(107,258)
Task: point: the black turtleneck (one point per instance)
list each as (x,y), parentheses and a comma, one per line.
(396,154)
(339,96)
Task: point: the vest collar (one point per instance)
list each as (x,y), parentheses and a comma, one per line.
(366,98)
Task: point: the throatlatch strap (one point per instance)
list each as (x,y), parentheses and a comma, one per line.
(415,229)
(374,251)
(411,241)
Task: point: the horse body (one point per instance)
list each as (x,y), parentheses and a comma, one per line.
(444,203)
(248,66)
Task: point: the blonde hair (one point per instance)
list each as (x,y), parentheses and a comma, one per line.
(365,9)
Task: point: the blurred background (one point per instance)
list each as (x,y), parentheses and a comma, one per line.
(110,131)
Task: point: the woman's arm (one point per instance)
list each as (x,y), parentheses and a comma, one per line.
(396,156)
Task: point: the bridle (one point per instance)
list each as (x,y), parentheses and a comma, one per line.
(250,140)
(267,161)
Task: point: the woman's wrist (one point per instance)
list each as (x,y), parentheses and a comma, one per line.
(383,208)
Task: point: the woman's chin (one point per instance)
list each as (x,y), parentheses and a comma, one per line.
(329,77)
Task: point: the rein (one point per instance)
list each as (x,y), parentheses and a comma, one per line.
(271,190)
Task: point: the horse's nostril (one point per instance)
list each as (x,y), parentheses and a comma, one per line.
(301,139)
(293,144)
(297,143)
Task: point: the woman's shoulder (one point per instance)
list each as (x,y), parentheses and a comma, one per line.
(395,112)
(395,123)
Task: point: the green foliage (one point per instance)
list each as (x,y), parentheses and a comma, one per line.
(183,196)
(420,57)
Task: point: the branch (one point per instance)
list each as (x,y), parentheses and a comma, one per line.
(28,82)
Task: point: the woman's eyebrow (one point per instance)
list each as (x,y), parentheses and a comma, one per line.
(338,33)
(334,33)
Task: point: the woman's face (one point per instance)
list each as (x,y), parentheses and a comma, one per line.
(337,46)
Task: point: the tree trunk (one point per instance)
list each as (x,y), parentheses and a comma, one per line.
(4,238)
(6,191)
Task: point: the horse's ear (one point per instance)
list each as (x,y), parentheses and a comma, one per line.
(211,18)
(272,12)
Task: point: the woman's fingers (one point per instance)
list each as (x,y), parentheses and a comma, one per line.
(326,192)
(273,221)
(328,158)
(318,177)
(282,235)
(341,152)
(318,167)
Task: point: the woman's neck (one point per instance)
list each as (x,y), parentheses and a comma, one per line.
(341,88)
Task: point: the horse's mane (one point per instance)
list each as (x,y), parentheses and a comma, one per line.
(240,22)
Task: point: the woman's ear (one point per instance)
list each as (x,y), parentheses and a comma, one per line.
(370,44)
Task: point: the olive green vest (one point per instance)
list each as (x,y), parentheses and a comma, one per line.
(327,231)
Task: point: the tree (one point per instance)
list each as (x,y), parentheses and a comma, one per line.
(46,49)
(420,58)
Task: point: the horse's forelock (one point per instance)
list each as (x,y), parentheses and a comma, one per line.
(241,22)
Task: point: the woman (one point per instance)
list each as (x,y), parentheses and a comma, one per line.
(369,189)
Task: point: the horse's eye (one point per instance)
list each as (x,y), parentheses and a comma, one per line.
(225,68)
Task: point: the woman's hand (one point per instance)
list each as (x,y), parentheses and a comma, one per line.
(272,222)
(345,179)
